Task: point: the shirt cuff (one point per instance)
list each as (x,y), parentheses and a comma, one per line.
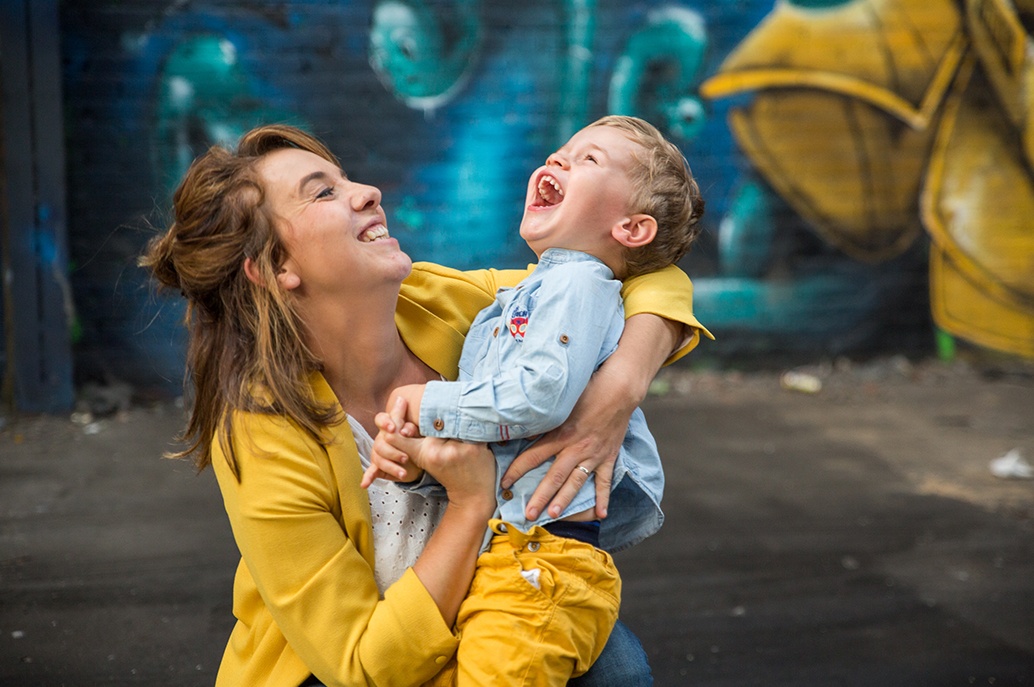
(438,410)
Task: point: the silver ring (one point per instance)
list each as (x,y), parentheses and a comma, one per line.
(585,470)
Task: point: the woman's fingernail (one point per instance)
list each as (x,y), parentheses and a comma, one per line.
(533,513)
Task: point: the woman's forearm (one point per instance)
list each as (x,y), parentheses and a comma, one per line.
(447,563)
(467,471)
(645,344)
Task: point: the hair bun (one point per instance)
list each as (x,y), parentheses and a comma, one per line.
(159,259)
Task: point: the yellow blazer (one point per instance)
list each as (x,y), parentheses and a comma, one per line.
(304,594)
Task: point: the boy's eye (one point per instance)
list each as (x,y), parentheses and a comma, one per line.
(592,158)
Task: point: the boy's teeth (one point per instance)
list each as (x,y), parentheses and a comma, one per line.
(549,189)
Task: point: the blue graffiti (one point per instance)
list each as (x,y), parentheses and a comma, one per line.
(424,54)
(448,106)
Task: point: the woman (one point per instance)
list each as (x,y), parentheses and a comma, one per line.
(304,315)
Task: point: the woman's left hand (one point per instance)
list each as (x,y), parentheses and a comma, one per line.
(590,438)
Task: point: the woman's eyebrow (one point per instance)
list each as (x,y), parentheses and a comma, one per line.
(308,179)
(317,176)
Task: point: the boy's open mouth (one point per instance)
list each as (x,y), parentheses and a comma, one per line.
(550,192)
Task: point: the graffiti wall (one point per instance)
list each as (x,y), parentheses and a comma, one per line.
(866,163)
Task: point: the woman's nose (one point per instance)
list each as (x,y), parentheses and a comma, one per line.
(365,197)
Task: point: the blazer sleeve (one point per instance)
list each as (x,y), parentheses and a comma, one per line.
(667,293)
(308,547)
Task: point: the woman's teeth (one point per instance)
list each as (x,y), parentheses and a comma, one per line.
(373,233)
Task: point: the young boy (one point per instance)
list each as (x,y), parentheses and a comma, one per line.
(617,200)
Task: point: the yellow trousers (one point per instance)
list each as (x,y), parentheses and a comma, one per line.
(539,611)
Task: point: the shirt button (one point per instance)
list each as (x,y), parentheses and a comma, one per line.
(440,660)
(564,339)
(533,546)
(507,494)
(439,424)
(495,332)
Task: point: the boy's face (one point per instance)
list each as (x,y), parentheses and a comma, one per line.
(581,193)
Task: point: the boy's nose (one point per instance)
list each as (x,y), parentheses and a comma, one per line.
(556,160)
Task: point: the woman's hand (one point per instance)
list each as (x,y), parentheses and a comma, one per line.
(590,438)
(592,435)
(466,470)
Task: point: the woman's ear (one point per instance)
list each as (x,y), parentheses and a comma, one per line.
(288,280)
(252,273)
(635,231)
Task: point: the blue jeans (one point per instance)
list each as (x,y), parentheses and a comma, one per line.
(622,664)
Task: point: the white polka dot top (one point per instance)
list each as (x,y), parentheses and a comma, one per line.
(402,520)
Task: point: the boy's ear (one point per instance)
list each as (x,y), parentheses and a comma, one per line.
(635,231)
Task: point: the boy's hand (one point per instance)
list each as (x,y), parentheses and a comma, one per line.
(410,395)
(392,448)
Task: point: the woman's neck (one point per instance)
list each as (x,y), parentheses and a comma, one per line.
(364,357)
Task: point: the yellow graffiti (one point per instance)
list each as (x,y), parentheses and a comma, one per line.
(879,119)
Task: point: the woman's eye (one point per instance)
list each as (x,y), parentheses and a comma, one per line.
(325,193)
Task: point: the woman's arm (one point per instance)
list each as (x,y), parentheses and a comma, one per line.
(298,521)
(467,471)
(592,435)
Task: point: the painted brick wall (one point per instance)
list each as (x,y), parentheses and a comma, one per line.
(450,119)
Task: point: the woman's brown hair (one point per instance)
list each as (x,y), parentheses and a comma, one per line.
(245,350)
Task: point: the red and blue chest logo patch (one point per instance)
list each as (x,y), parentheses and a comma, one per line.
(518,324)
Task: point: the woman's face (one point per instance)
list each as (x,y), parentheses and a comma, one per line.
(334,229)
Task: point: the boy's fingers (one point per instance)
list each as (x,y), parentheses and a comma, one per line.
(369,476)
(384,422)
(398,411)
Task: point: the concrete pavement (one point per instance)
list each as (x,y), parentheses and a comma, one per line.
(854,536)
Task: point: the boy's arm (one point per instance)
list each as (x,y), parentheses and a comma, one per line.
(536,391)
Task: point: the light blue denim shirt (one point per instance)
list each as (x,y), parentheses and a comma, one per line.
(525,362)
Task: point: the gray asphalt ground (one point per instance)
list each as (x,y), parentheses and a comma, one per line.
(853,536)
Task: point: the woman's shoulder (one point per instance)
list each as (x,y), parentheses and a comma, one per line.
(433,275)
